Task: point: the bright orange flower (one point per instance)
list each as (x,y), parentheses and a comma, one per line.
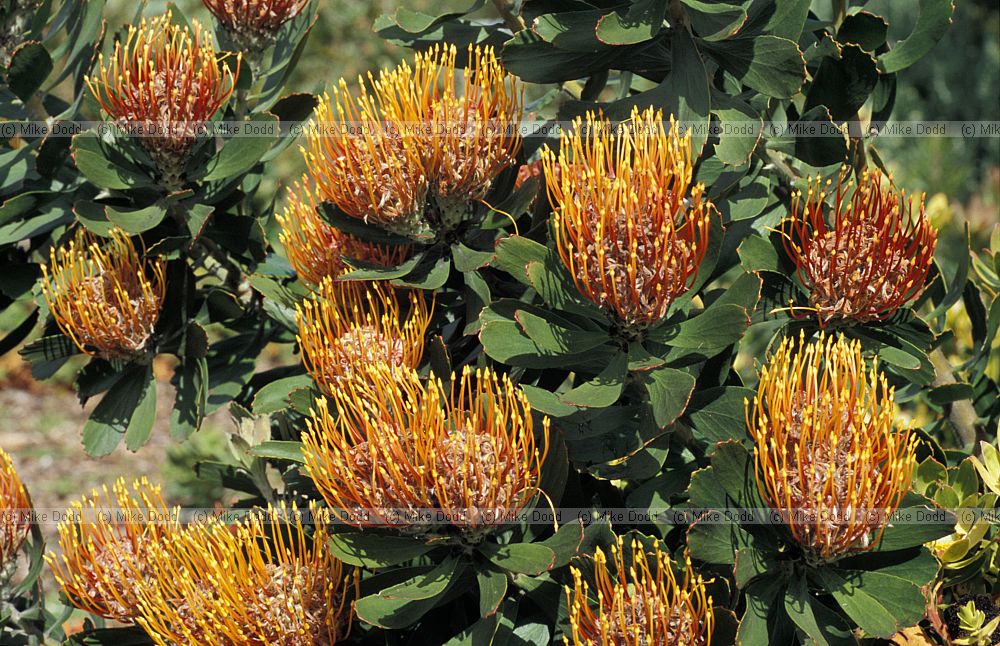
(640,602)
(166,79)
(15,516)
(106,298)
(827,456)
(865,258)
(317,250)
(628,224)
(253,24)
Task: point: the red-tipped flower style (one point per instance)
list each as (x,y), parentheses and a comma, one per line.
(253,24)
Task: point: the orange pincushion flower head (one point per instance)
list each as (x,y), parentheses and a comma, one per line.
(315,249)
(640,603)
(164,78)
(15,515)
(414,152)
(827,457)
(104,544)
(628,224)
(346,326)
(253,24)
(867,258)
(399,448)
(104,296)
(266,581)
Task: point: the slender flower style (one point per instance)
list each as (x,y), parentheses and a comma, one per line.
(15,516)
(104,545)
(264,582)
(640,603)
(417,150)
(167,79)
(317,250)
(827,457)
(629,225)
(399,449)
(347,326)
(254,24)
(105,298)
(865,260)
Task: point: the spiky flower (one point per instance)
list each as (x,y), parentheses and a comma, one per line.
(404,454)
(629,225)
(103,295)
(417,150)
(866,257)
(104,547)
(266,581)
(347,326)
(639,601)
(254,24)
(317,250)
(15,515)
(827,456)
(167,80)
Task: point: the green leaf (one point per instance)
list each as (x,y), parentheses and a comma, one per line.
(557,338)
(708,332)
(521,558)
(669,392)
(821,624)
(513,254)
(376,550)
(771,65)
(920,522)
(127,410)
(761,621)
(715,543)
(686,87)
(30,65)
(715,20)
(604,390)
(361,229)
(880,604)
(757,253)
(735,146)
(574,31)
(933,20)
(104,166)
(100,217)
(949,393)
(467,259)
(719,414)
(642,22)
(784,18)
(279,450)
(48,353)
(492,589)
(274,396)
(843,84)
(565,543)
(535,61)
(240,153)
(191,382)
(545,402)
(864,29)
(427,275)
(399,606)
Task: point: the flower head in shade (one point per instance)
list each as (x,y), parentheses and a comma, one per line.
(104,545)
(827,456)
(347,326)
(164,78)
(253,24)
(628,224)
(269,580)
(103,295)
(413,153)
(15,517)
(639,601)
(398,445)
(317,250)
(866,257)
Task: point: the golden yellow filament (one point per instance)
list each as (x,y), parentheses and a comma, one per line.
(105,297)
(639,601)
(628,224)
(317,250)
(827,456)
(397,448)
(347,326)
(15,514)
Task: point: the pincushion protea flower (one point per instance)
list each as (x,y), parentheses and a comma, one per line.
(416,151)
(105,298)
(15,515)
(398,449)
(348,325)
(628,224)
(265,581)
(317,250)
(827,457)
(104,545)
(865,259)
(167,79)
(641,603)
(253,24)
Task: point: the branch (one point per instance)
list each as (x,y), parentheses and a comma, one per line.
(961,414)
(511,18)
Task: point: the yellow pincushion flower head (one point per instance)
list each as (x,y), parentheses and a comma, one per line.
(639,601)
(629,225)
(827,456)
(413,153)
(166,79)
(15,516)
(399,448)
(317,250)
(104,296)
(104,545)
(867,259)
(253,24)
(267,581)
(346,326)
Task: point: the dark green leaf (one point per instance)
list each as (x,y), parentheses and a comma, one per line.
(492,589)
(376,550)
(30,65)
(240,153)
(821,624)
(843,84)
(932,21)
(771,65)
(513,254)
(604,389)
(522,558)
(718,414)
(279,450)
(880,604)
(127,410)
(400,605)
(557,338)
(274,396)
(669,392)
(643,21)
(715,20)
(864,29)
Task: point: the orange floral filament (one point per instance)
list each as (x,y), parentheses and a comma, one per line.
(15,516)
(253,24)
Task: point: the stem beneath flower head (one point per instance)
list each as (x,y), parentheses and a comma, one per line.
(961,413)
